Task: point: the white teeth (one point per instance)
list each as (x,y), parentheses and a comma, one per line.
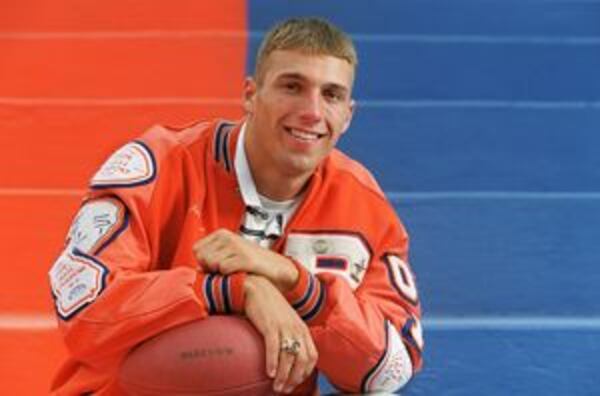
(304,135)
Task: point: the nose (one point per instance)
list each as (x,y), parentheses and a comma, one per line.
(312,108)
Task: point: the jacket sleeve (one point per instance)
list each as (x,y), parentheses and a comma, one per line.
(113,285)
(375,329)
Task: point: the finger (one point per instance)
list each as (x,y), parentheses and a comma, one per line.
(207,267)
(313,354)
(205,258)
(272,353)
(223,261)
(299,371)
(215,238)
(200,250)
(209,252)
(229,263)
(224,235)
(286,363)
(199,244)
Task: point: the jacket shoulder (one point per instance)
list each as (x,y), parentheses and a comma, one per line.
(343,166)
(169,136)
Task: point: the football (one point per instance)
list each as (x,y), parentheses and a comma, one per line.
(220,355)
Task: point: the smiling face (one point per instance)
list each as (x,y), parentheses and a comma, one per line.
(296,111)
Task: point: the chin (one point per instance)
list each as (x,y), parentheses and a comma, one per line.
(297,165)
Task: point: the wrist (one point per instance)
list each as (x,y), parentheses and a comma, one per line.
(221,294)
(288,275)
(254,282)
(249,284)
(307,296)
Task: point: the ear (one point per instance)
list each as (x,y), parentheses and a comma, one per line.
(351,107)
(249,94)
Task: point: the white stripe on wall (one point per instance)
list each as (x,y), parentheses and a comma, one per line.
(16,321)
(494,323)
(396,196)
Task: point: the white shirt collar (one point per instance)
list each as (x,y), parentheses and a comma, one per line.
(244,175)
(265,219)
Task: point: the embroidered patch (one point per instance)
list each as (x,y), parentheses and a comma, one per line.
(394,369)
(76,280)
(97,223)
(344,254)
(402,278)
(131,165)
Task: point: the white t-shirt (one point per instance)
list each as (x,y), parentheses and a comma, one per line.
(265,219)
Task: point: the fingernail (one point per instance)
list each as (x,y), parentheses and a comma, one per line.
(278,387)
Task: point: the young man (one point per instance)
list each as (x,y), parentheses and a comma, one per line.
(263,218)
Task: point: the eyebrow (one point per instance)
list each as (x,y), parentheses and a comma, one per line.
(298,76)
(291,76)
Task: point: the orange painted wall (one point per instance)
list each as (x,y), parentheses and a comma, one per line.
(78,79)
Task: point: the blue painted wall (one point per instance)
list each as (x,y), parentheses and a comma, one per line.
(481,120)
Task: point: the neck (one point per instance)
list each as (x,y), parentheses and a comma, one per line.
(271,181)
(277,187)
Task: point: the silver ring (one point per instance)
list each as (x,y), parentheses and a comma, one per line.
(290,346)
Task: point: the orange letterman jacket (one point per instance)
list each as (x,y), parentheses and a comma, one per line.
(128,271)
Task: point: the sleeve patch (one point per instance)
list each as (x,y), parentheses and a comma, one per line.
(97,223)
(131,165)
(413,333)
(343,254)
(402,278)
(76,281)
(394,369)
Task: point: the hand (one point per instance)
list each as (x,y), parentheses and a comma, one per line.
(279,324)
(226,252)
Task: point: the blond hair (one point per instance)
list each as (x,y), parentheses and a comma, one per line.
(314,36)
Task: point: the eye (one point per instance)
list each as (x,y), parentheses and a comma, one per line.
(333,95)
(291,86)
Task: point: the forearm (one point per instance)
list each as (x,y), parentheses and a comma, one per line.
(285,275)
(368,331)
(378,356)
(137,306)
